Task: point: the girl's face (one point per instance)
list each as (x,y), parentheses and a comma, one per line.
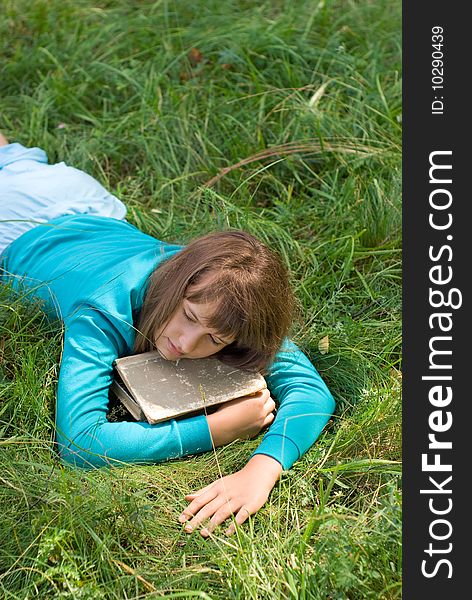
(186,335)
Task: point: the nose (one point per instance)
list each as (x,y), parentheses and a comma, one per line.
(188,341)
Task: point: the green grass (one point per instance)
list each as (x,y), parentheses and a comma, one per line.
(289,127)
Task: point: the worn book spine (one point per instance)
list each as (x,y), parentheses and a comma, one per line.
(128,401)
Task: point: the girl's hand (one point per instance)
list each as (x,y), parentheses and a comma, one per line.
(242,418)
(240,494)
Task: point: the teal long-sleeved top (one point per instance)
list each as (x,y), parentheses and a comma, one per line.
(91,272)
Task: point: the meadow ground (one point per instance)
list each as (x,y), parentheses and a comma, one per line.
(282,118)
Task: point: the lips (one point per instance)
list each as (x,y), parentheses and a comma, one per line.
(173,349)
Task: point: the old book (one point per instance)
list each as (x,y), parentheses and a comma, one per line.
(156,389)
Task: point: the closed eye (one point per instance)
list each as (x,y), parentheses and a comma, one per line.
(214,340)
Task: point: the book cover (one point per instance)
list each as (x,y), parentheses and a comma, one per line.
(156,389)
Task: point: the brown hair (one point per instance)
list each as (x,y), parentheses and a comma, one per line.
(248,281)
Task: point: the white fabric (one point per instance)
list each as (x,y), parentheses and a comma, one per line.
(34,192)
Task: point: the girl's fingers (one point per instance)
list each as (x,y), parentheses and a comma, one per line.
(223,513)
(265,393)
(269,405)
(197,503)
(268,420)
(243,515)
(205,512)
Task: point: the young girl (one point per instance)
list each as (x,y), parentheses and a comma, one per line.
(63,237)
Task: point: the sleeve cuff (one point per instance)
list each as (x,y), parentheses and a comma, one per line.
(194,435)
(280,448)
